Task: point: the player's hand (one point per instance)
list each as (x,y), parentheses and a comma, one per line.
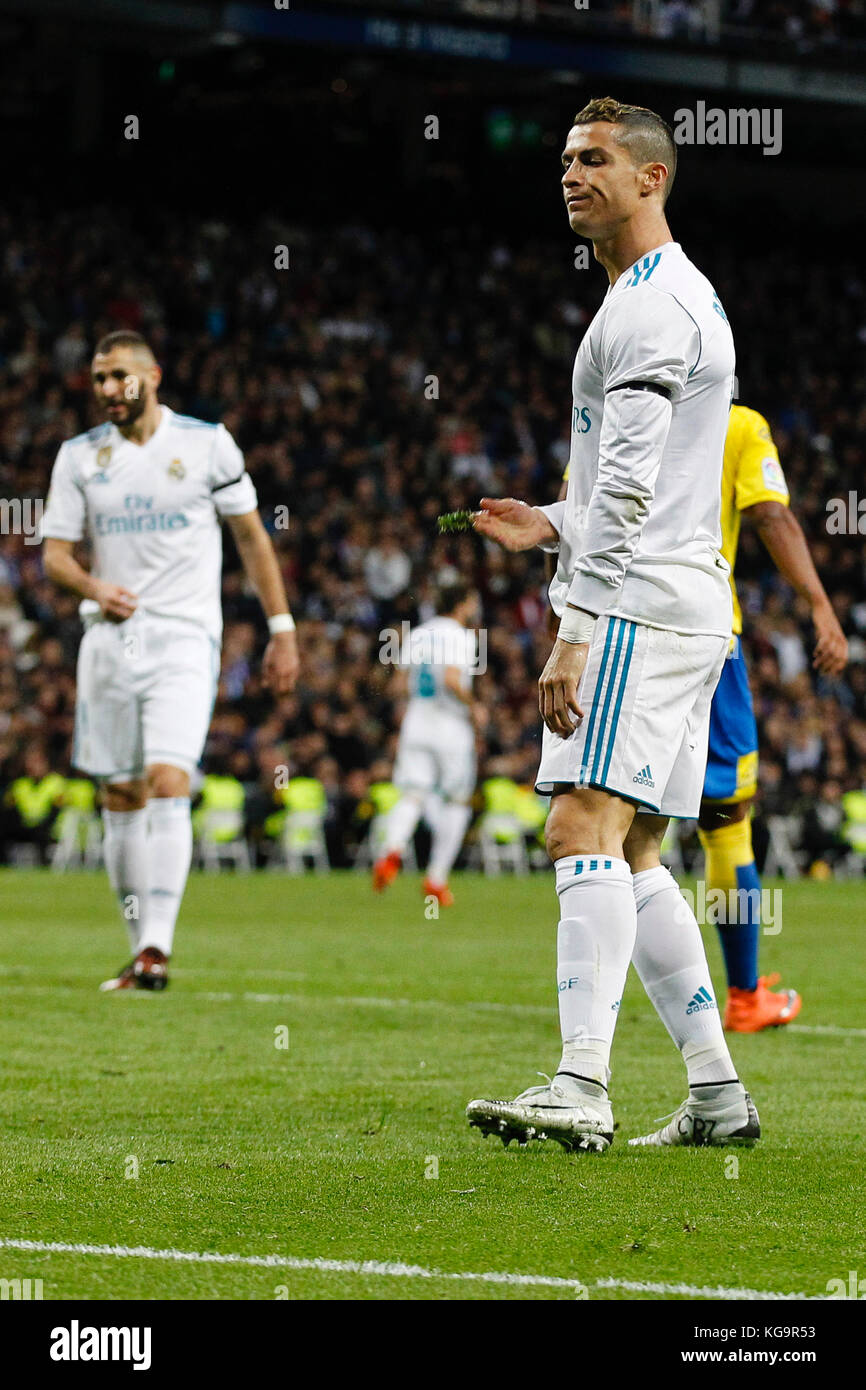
(282,663)
(117,603)
(557,687)
(831,649)
(480,716)
(512,524)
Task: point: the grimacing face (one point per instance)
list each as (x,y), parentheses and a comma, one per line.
(601,184)
(124,380)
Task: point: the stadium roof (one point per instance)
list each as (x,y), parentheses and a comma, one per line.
(524,33)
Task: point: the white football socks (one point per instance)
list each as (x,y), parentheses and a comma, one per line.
(169,843)
(451,821)
(127,862)
(670,959)
(594,946)
(402,820)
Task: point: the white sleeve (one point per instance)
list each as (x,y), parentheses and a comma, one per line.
(555,513)
(230,484)
(648,337)
(649,344)
(65,514)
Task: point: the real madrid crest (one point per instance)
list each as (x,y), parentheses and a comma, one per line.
(176,469)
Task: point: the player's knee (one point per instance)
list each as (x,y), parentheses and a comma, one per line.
(586,820)
(123,796)
(413,794)
(568,830)
(166,781)
(642,844)
(556,843)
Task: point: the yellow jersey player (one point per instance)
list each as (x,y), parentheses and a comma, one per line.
(753,485)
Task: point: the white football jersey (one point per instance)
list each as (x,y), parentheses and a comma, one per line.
(640,533)
(152,512)
(431,648)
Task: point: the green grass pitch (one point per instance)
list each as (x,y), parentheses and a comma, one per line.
(179,1122)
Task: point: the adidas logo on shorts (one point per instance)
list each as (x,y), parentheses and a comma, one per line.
(644,777)
(702,1000)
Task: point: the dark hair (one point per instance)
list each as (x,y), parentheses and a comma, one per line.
(647,137)
(121,337)
(453,594)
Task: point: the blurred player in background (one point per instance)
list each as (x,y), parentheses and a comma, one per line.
(148,489)
(753,486)
(436,749)
(644,602)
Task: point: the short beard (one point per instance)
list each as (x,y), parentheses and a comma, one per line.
(134,409)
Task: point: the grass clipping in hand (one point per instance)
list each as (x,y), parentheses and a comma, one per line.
(450,522)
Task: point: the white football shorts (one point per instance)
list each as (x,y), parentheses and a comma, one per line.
(146,690)
(436,754)
(645,695)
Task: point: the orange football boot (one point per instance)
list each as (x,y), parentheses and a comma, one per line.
(440,891)
(386,870)
(750,1010)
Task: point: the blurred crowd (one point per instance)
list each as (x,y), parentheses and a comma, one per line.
(805,24)
(801,25)
(378,382)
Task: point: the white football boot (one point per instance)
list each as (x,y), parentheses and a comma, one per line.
(719,1115)
(562,1110)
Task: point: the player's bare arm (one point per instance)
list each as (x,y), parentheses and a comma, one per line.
(453,682)
(783,537)
(281,663)
(558,684)
(61,566)
(517,526)
(398,686)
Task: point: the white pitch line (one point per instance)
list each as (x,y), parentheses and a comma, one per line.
(365,1001)
(362,1001)
(391,1269)
(388,1269)
(831,1030)
(696,1291)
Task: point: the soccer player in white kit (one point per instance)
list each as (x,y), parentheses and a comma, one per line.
(148,489)
(436,749)
(645,611)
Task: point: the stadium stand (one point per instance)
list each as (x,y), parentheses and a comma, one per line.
(327,389)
